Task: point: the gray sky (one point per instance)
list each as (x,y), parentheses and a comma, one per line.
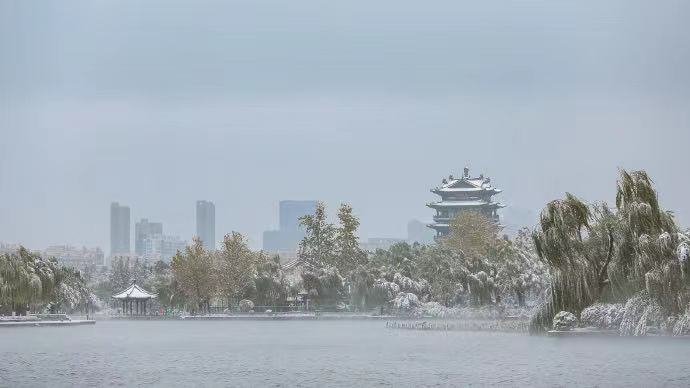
(157,104)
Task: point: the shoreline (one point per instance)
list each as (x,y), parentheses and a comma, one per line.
(39,323)
(520,327)
(307,316)
(253,317)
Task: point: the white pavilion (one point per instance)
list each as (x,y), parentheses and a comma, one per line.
(134,299)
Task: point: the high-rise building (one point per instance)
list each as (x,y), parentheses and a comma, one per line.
(291,211)
(142,230)
(119,229)
(460,195)
(285,240)
(162,247)
(206,223)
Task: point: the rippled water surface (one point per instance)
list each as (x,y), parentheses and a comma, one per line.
(325,353)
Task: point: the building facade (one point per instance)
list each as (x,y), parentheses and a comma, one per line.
(161,247)
(142,230)
(286,239)
(460,195)
(119,229)
(206,223)
(70,256)
(291,211)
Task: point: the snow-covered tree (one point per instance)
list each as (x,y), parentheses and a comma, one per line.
(598,255)
(235,268)
(348,254)
(193,270)
(29,282)
(270,284)
(325,285)
(318,247)
(519,271)
(446,272)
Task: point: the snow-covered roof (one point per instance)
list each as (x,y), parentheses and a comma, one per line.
(459,189)
(292,264)
(134,292)
(468,203)
(467,184)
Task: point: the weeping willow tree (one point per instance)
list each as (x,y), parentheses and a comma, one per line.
(650,268)
(576,243)
(595,254)
(29,282)
(25,281)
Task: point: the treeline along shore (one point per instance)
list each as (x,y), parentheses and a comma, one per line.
(620,268)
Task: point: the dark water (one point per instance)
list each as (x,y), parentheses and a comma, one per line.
(325,353)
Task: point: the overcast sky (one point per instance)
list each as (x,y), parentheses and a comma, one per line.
(156,104)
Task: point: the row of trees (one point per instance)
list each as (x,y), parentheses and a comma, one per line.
(580,254)
(29,282)
(231,274)
(473,266)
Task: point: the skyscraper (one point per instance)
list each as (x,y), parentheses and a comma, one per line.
(286,239)
(142,230)
(119,229)
(206,223)
(291,211)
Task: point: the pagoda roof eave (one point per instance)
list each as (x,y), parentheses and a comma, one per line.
(439,190)
(465,204)
(438,226)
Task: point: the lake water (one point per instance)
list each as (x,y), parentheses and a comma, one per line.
(325,353)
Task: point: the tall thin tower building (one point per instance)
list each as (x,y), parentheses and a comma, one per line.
(119,229)
(206,223)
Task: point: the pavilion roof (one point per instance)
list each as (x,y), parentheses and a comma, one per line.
(134,292)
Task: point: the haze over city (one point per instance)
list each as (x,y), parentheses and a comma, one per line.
(159,104)
(344,194)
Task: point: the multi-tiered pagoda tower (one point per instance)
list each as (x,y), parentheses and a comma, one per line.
(463,194)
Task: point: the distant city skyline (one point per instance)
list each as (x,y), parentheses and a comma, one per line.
(369,103)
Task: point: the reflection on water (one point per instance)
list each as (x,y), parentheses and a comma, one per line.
(325,354)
